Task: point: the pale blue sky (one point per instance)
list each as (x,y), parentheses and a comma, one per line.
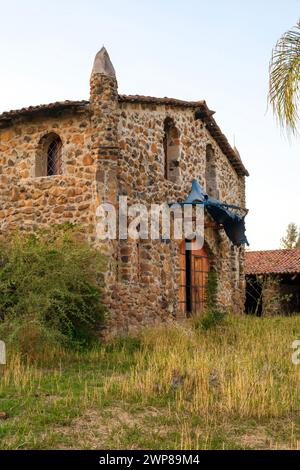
(218,51)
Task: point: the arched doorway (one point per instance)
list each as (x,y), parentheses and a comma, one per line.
(194,268)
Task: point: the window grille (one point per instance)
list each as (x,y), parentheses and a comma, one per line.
(54,166)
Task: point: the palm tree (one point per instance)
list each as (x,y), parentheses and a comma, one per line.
(285,79)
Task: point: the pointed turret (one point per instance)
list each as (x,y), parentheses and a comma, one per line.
(103,65)
(104,109)
(103,82)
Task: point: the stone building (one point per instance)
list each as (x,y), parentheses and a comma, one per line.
(273,282)
(59,161)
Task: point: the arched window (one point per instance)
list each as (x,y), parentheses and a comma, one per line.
(49,156)
(210,172)
(171,150)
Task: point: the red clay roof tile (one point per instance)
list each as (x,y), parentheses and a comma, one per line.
(273,261)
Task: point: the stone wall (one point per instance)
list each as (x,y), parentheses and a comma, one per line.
(27,200)
(153,294)
(141,133)
(46,201)
(19,144)
(271,295)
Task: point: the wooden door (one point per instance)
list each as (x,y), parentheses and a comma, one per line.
(182,279)
(194,268)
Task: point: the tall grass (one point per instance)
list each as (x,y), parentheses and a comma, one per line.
(242,369)
(186,387)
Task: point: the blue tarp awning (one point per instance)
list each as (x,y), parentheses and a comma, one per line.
(222,213)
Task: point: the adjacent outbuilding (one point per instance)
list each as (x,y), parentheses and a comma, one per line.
(272,281)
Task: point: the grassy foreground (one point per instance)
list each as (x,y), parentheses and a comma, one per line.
(172,387)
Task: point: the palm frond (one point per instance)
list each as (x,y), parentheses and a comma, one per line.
(284,82)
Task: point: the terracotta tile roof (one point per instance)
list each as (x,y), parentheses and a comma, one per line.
(165,101)
(63,105)
(201,112)
(215,131)
(9,116)
(273,261)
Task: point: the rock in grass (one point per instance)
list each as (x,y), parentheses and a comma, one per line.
(3,415)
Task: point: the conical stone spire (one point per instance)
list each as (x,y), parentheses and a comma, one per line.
(104,114)
(103,65)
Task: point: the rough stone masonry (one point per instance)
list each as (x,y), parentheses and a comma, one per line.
(59,161)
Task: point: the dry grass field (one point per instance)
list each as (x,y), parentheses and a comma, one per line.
(233,386)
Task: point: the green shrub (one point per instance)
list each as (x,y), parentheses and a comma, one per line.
(52,280)
(212,316)
(212,319)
